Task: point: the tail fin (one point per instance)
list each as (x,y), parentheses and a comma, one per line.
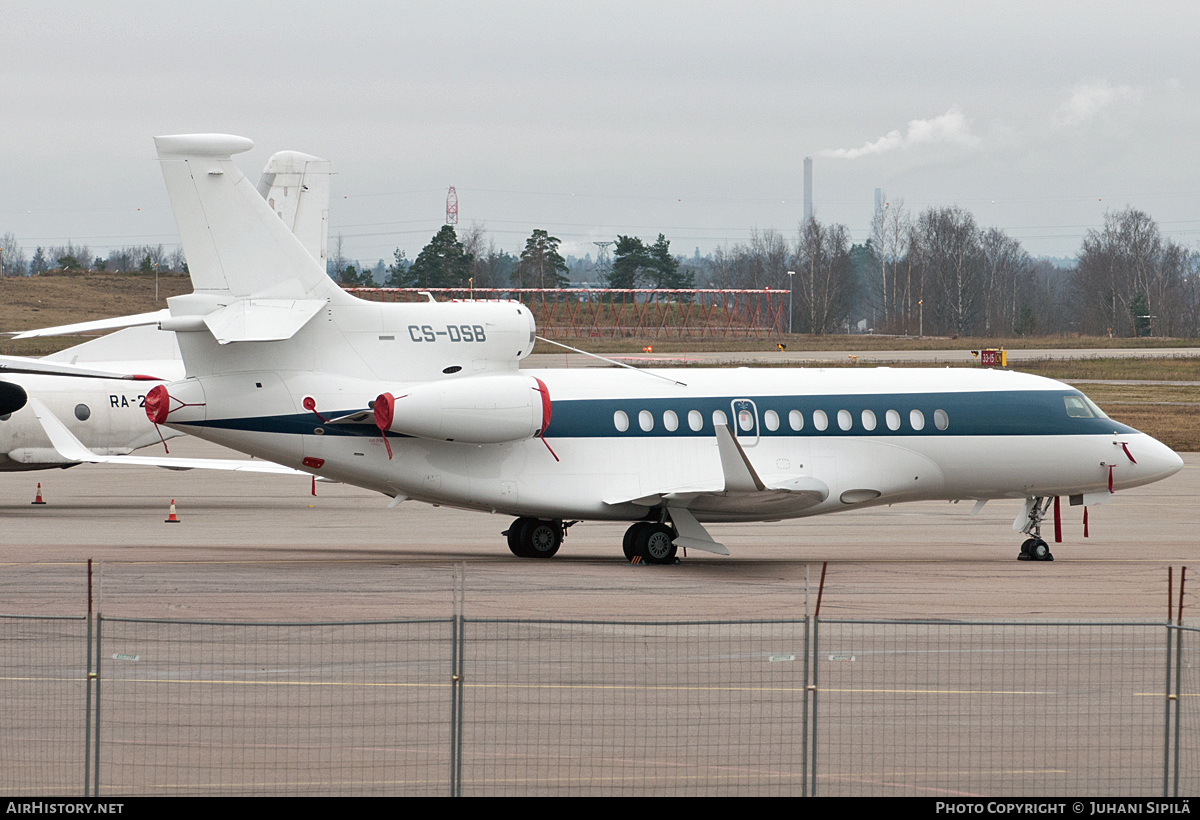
(234,243)
(296,187)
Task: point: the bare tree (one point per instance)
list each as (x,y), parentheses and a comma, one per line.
(12,256)
(954,265)
(1006,269)
(1129,275)
(826,287)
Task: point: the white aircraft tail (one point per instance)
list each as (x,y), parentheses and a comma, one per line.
(296,188)
(235,243)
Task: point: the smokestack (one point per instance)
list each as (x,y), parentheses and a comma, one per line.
(807,188)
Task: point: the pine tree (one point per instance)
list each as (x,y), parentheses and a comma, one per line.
(541,266)
(442,263)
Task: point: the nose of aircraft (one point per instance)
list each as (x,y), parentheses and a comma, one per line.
(1155,460)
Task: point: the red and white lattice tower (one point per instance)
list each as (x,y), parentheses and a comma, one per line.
(451,207)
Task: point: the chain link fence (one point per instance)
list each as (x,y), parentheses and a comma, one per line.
(1029,709)
(560,707)
(633,708)
(44,705)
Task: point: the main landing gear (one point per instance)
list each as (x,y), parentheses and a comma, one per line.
(1034,548)
(654,543)
(535,537)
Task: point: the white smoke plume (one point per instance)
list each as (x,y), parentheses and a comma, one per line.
(951,127)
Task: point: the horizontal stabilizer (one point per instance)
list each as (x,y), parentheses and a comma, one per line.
(72,449)
(261,320)
(152,318)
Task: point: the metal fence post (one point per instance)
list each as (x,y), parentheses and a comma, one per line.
(804,716)
(813,784)
(1178,692)
(456,674)
(87,711)
(96,715)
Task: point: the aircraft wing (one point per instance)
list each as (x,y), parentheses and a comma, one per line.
(69,447)
(739,490)
(41,367)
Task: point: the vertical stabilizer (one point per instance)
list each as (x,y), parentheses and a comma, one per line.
(234,242)
(296,188)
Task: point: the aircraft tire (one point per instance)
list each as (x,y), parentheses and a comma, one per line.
(628,542)
(1026,553)
(515,544)
(655,544)
(1040,551)
(541,539)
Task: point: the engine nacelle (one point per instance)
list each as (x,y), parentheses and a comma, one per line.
(474,410)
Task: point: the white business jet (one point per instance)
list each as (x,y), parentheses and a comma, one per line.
(425,401)
(99,388)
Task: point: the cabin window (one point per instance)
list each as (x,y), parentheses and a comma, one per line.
(719,419)
(621,421)
(670,420)
(695,420)
(868,420)
(771,419)
(1077,408)
(83,412)
(845,420)
(917,419)
(646,420)
(893,420)
(820,420)
(796,420)
(745,420)
(940,420)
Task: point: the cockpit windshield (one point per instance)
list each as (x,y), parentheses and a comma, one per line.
(1080,406)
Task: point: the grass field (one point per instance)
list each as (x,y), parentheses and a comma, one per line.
(46,301)
(1170,413)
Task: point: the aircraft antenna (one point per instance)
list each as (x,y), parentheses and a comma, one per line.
(614,361)
(451,207)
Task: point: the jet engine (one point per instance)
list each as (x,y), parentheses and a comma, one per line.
(474,410)
(12,397)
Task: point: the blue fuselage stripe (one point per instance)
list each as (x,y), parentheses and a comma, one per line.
(992,413)
(989,413)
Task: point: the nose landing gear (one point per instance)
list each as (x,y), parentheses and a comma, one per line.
(1034,548)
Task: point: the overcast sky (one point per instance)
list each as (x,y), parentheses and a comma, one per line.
(691,119)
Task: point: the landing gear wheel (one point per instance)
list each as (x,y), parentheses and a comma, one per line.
(631,534)
(1027,550)
(1040,551)
(515,545)
(655,544)
(541,539)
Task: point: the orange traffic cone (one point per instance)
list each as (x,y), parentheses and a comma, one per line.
(38,500)
(172,518)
